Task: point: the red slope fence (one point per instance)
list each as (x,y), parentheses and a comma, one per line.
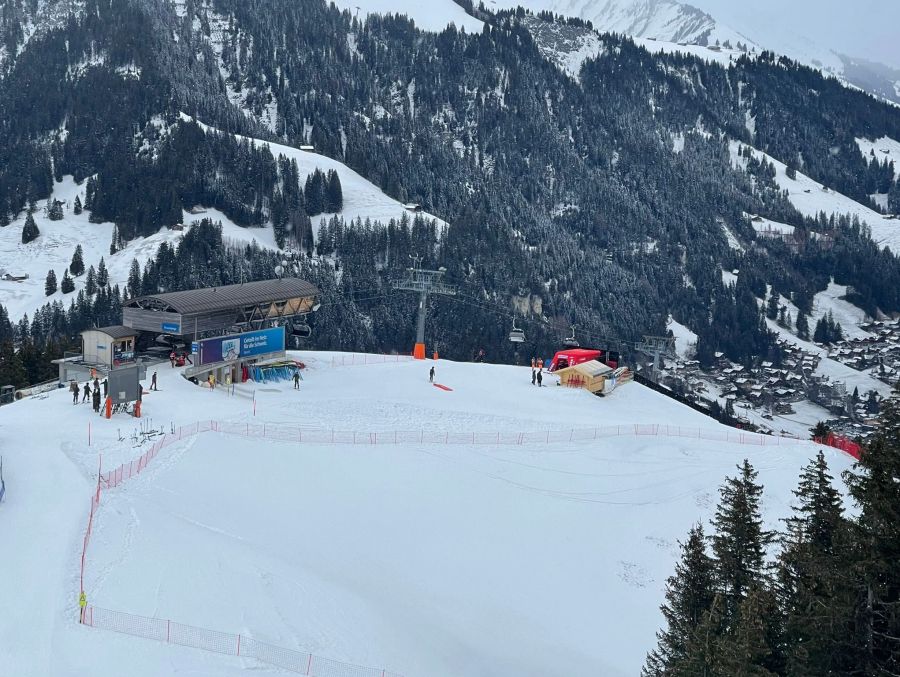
(229,644)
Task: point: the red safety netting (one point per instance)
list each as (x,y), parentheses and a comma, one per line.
(842,443)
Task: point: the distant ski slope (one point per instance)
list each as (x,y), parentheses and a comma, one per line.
(429,15)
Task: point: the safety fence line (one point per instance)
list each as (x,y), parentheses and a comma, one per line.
(229,644)
(303,663)
(360,359)
(288,433)
(295,434)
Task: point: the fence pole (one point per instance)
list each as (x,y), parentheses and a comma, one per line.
(309,664)
(239,646)
(168,628)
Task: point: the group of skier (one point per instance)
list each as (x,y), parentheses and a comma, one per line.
(90,392)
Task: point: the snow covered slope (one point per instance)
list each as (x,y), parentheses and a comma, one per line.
(362,198)
(811,198)
(406,556)
(54,247)
(434,15)
(670,26)
(881,149)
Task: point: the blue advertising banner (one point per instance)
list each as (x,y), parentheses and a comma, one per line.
(171,327)
(237,346)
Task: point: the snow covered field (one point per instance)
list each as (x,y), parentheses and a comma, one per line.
(362,198)
(58,239)
(811,198)
(437,560)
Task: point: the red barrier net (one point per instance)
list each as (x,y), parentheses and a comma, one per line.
(163,630)
(842,443)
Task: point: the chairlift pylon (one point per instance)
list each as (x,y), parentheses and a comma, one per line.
(516,335)
(571,341)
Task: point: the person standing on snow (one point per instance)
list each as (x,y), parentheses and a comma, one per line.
(296,379)
(533,374)
(153,382)
(96,400)
(73,386)
(539,379)
(431,375)
(87,392)
(172,357)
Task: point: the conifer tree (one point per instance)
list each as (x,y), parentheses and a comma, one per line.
(739,541)
(750,648)
(102,274)
(30,230)
(812,571)
(772,306)
(90,282)
(334,197)
(77,265)
(875,488)
(689,595)
(67,286)
(76,209)
(50,283)
(54,210)
(134,279)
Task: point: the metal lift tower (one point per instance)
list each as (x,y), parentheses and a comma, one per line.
(424,282)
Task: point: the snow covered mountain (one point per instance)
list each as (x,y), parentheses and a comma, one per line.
(676,25)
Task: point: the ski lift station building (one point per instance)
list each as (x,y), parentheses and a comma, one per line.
(212,311)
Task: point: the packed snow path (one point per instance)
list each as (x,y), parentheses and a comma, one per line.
(406,556)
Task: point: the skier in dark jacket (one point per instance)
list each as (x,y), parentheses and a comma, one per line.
(296,379)
(533,374)
(86,391)
(539,379)
(75,390)
(97,400)
(105,388)
(431,375)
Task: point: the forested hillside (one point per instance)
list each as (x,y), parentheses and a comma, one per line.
(608,201)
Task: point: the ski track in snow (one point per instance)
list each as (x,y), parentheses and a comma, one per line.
(407,557)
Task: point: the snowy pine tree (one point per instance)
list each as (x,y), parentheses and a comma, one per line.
(102,274)
(30,230)
(77,265)
(50,284)
(67,286)
(739,541)
(689,595)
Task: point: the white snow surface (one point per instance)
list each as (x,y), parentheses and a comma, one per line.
(685,339)
(362,198)
(408,557)
(844,312)
(434,15)
(881,149)
(58,239)
(811,198)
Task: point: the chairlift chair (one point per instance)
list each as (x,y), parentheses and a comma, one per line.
(571,341)
(301,330)
(516,335)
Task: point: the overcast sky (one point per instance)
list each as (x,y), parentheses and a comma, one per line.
(863,28)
